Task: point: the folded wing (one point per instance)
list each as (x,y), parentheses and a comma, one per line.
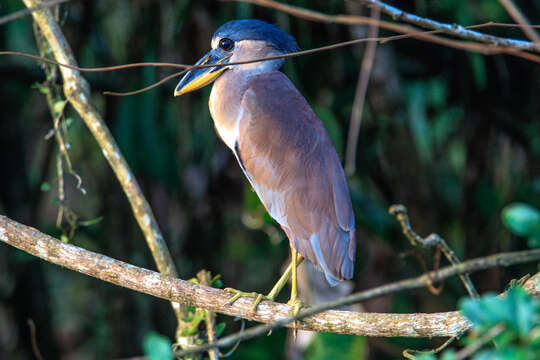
(290,160)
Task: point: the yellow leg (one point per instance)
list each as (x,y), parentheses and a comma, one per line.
(284,278)
(294,301)
(275,290)
(294,291)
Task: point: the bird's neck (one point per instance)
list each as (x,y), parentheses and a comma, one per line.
(254,49)
(225,104)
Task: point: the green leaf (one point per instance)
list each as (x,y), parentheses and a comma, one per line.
(449,355)
(59,106)
(64,239)
(217,284)
(522,219)
(336,347)
(220,328)
(437,92)
(193,327)
(216,281)
(91,221)
(45,186)
(418,120)
(518,310)
(535,337)
(508,353)
(534,241)
(157,347)
(426,357)
(42,88)
(479,70)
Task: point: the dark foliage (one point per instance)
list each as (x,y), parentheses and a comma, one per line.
(452,135)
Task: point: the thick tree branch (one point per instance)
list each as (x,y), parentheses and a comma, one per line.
(316,318)
(76,89)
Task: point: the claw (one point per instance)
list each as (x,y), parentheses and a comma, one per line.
(297,305)
(238,294)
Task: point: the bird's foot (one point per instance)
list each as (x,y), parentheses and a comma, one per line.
(297,305)
(238,294)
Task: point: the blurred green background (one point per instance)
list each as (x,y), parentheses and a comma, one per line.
(452,135)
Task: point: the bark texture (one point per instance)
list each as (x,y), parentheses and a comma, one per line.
(444,324)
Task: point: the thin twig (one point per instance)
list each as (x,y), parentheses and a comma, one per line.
(503,25)
(451,29)
(237,344)
(519,18)
(408,33)
(491,44)
(33,339)
(413,354)
(61,194)
(481,341)
(53,95)
(315,319)
(312,15)
(360,96)
(77,91)
(156,84)
(22,13)
(205,278)
(486,50)
(400,212)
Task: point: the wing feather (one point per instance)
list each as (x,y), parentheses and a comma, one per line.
(291,162)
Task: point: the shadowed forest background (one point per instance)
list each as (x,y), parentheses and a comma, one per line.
(452,135)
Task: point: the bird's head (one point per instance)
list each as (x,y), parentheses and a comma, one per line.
(239,40)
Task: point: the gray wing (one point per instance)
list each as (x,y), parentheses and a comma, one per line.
(292,165)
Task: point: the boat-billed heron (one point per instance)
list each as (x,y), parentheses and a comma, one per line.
(281,146)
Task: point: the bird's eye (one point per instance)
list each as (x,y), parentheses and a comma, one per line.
(226,44)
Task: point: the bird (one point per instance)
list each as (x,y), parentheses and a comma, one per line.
(281,146)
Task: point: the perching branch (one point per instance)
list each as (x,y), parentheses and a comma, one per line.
(446,318)
(318,318)
(77,91)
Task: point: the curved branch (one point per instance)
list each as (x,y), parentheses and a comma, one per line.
(486,44)
(451,29)
(316,318)
(77,91)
